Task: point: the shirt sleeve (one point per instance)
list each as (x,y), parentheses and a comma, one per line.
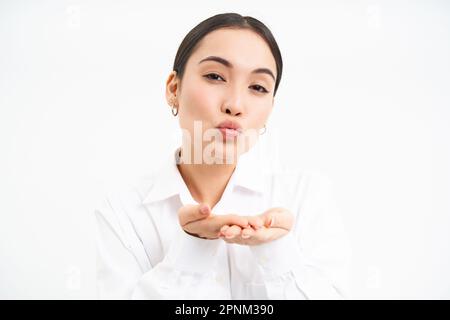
(313,260)
(185,272)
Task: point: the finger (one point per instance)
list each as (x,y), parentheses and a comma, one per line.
(269,221)
(247,233)
(231,219)
(256,222)
(232,232)
(222,230)
(264,235)
(190,213)
(278,218)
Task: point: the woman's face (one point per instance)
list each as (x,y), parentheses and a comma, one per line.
(214,91)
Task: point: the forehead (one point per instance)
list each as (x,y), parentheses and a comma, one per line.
(245,49)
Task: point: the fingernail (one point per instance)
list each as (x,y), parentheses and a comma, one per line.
(204,209)
(245,236)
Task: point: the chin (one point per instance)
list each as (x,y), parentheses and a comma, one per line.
(224,153)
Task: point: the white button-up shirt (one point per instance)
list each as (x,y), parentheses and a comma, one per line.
(143,253)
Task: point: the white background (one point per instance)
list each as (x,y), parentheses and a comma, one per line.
(364,98)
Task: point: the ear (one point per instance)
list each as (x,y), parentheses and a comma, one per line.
(171,87)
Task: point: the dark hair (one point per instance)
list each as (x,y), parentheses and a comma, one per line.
(225,20)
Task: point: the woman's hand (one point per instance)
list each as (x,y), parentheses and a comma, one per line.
(198,221)
(269,226)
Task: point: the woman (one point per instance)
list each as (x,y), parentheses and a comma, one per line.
(211,223)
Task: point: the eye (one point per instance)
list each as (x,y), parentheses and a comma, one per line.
(212,76)
(260,88)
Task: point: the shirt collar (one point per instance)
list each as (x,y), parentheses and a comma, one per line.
(168,181)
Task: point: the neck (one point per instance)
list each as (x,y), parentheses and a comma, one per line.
(206,182)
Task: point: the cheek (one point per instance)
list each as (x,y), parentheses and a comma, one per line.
(200,103)
(204,101)
(259,113)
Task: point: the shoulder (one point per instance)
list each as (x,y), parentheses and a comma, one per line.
(117,204)
(128,193)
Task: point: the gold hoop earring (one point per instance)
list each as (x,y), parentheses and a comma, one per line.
(263,131)
(174,109)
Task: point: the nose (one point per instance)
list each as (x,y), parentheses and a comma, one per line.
(231,111)
(233,106)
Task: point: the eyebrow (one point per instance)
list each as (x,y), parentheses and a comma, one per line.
(228,64)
